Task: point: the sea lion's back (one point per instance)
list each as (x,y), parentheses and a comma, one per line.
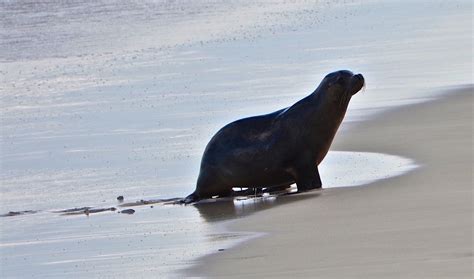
(237,137)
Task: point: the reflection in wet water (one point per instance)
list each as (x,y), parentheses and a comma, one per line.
(224,209)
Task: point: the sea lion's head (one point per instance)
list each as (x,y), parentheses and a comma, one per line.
(338,87)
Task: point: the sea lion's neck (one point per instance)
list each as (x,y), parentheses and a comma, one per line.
(325,117)
(322,109)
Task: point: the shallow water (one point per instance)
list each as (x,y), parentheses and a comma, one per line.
(159,237)
(104,99)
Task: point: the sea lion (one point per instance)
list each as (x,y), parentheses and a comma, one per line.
(280,148)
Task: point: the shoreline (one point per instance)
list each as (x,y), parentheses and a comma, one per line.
(400,226)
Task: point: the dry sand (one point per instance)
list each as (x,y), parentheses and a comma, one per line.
(418,225)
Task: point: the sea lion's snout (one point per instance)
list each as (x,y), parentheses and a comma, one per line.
(357,83)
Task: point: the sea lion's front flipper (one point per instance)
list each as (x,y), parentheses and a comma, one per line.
(308,179)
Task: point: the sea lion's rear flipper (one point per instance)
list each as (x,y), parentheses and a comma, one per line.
(190,199)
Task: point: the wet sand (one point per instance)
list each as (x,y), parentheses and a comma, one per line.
(418,225)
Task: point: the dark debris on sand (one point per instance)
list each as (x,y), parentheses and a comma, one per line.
(16,213)
(127,211)
(84,210)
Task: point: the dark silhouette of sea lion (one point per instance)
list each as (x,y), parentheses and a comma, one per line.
(278,149)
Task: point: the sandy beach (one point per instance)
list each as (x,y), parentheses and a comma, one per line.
(417,225)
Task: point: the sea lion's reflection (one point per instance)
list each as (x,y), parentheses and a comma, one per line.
(229,208)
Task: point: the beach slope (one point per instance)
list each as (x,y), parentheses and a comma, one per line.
(418,225)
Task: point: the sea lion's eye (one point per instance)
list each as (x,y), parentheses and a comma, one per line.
(335,80)
(339,80)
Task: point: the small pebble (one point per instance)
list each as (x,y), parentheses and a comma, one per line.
(120,198)
(127,211)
